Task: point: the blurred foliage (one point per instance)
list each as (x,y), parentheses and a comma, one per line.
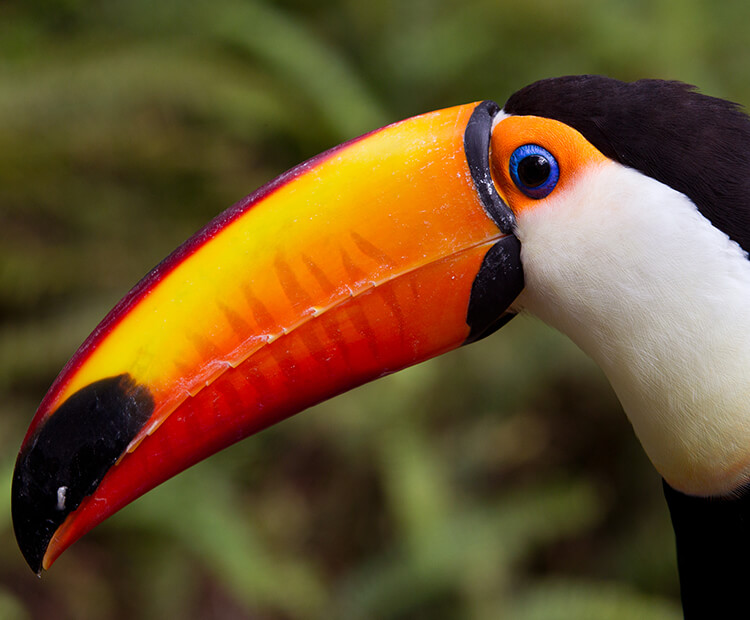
(501,481)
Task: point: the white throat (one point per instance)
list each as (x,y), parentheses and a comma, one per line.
(632,272)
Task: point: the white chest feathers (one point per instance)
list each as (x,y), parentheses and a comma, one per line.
(632,272)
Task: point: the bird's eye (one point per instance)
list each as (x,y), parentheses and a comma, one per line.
(534,170)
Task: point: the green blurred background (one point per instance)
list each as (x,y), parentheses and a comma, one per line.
(500,481)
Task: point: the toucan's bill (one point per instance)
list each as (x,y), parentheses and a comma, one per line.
(371,257)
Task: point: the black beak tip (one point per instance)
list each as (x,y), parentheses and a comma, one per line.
(33,531)
(69,454)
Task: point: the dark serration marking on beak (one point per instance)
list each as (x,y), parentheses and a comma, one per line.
(498,283)
(67,458)
(477,149)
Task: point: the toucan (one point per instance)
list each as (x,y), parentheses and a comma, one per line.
(616,212)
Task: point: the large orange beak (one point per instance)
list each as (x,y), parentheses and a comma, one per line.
(371,257)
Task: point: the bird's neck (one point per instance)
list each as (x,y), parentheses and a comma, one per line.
(660,299)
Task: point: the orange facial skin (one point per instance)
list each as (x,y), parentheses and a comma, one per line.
(349,267)
(571,150)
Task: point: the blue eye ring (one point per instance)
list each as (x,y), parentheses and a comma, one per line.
(534,170)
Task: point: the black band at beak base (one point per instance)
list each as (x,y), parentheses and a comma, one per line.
(500,278)
(498,283)
(477,148)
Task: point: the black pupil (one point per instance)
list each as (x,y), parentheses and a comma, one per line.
(533,170)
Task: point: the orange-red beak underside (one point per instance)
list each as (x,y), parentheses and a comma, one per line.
(371,257)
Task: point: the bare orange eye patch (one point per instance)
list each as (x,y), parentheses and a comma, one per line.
(570,152)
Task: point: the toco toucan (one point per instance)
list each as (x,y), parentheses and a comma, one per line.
(618,213)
